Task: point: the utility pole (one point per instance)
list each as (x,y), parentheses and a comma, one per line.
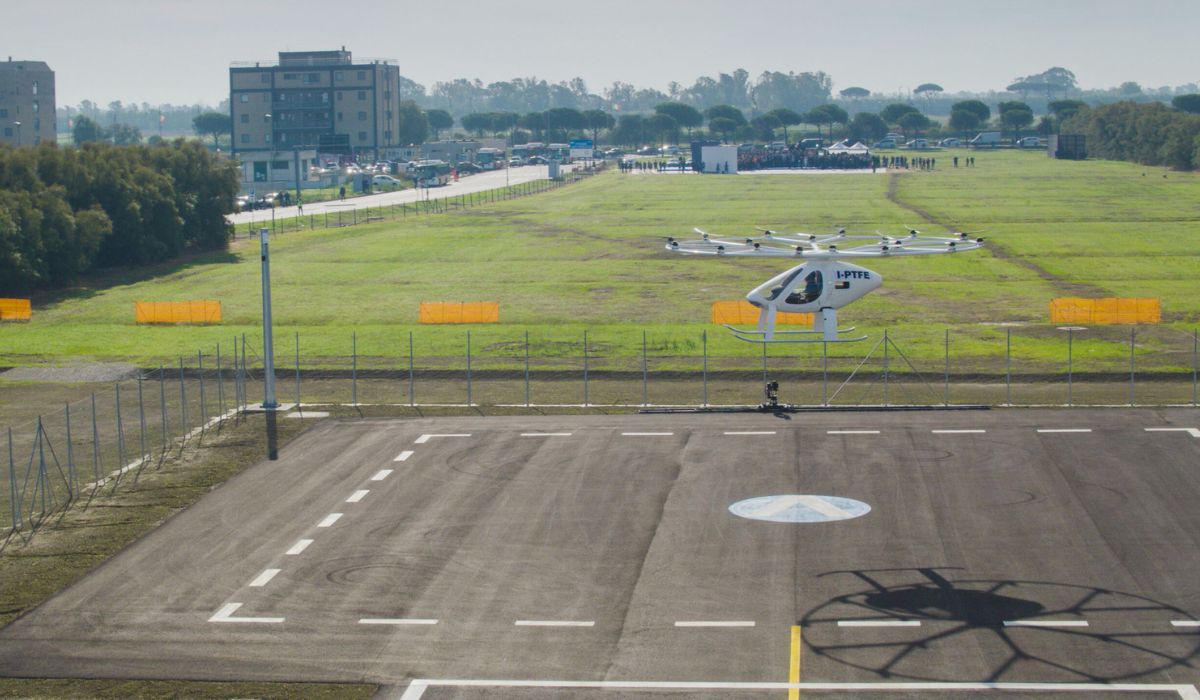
(269,402)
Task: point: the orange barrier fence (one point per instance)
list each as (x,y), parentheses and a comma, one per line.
(1114,310)
(15,310)
(741,313)
(460,312)
(199,311)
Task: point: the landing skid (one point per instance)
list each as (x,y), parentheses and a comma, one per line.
(748,336)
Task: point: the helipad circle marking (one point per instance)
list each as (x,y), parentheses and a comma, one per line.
(799,508)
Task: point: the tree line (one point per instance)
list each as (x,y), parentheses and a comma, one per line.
(65,211)
(1150,134)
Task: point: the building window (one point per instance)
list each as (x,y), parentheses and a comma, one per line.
(37,125)
(283,138)
(245,118)
(290,76)
(35,87)
(266,138)
(362,136)
(36,107)
(339,116)
(243,98)
(8,132)
(280,165)
(339,97)
(264,77)
(3,114)
(281,97)
(362,75)
(387,136)
(362,94)
(37,140)
(245,138)
(312,78)
(362,116)
(337,75)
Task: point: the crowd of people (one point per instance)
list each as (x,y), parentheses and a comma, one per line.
(794,157)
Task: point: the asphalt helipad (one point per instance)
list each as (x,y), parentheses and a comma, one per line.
(1034,553)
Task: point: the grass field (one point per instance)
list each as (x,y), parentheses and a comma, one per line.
(590,257)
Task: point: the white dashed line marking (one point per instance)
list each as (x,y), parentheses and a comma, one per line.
(357,496)
(647,434)
(749,432)
(1194,432)
(555,623)
(879,623)
(714,623)
(225,614)
(1045,623)
(264,578)
(851,432)
(1185,623)
(300,546)
(381,475)
(1064,430)
(957,432)
(396,621)
(425,438)
(404,455)
(545,434)
(329,520)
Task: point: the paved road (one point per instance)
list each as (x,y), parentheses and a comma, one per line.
(474,183)
(1039,546)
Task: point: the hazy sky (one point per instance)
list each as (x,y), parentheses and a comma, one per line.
(179,52)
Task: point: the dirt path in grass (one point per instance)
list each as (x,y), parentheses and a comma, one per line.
(1065,287)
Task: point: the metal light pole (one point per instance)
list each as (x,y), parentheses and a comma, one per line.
(269,402)
(1070,358)
(18,125)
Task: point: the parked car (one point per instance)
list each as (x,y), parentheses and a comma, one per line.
(986,139)
(648,151)
(516,161)
(670,150)
(917,144)
(385,181)
(468,168)
(884,143)
(808,143)
(1030,142)
(950,143)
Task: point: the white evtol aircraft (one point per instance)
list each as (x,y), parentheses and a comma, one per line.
(822,284)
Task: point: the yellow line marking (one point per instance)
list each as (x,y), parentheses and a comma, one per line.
(794,664)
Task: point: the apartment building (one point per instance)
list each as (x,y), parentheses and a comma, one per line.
(316,99)
(26,103)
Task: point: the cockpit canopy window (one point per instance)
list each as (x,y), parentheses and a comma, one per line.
(810,292)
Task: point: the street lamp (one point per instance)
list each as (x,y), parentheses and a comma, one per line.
(18,125)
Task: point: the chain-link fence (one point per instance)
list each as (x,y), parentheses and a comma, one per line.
(352,214)
(110,438)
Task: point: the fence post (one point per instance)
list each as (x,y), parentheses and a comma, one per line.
(1070,353)
(142,415)
(162,404)
(412,399)
(468,368)
(1195,365)
(354,368)
(645,373)
(526,369)
(95,443)
(183,428)
(886,402)
(200,371)
(70,453)
(12,486)
(825,373)
(1008,366)
(120,431)
(946,379)
(704,346)
(298,371)
(764,362)
(1132,366)
(585,369)
(220,385)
